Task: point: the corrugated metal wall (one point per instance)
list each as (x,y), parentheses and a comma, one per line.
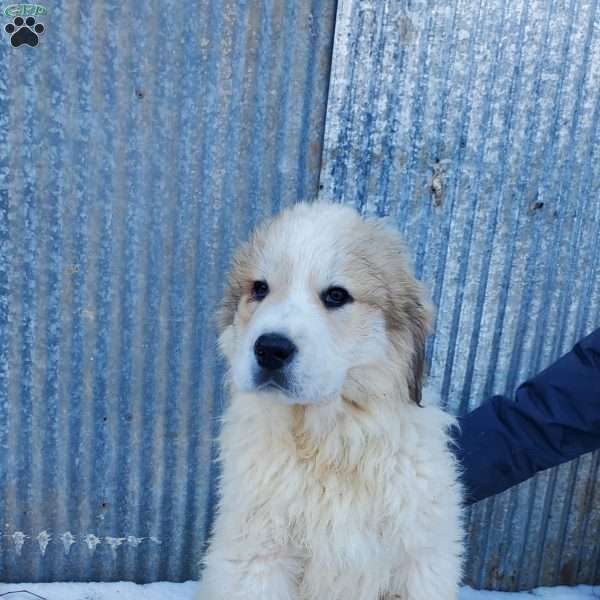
(141,141)
(475,123)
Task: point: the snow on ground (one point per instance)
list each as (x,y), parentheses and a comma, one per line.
(186,591)
(102,591)
(581,592)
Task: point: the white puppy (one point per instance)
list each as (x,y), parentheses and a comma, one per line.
(337,483)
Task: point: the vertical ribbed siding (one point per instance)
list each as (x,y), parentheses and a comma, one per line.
(140,142)
(475,124)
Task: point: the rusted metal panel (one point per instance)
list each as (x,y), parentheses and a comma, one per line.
(475,125)
(139,143)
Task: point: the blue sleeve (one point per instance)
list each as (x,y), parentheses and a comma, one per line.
(555,417)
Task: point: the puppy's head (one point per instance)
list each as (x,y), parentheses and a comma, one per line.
(317,293)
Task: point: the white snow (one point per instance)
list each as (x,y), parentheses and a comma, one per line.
(102,591)
(580,592)
(187,591)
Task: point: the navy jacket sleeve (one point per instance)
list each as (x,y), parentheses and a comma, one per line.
(554,418)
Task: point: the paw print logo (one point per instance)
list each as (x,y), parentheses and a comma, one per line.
(24,31)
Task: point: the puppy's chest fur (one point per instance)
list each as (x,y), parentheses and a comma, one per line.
(345,486)
(347,504)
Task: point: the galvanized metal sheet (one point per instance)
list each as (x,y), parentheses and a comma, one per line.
(475,125)
(140,141)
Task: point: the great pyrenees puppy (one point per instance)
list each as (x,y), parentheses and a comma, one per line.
(337,478)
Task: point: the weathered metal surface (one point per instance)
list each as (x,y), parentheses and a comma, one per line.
(475,125)
(139,142)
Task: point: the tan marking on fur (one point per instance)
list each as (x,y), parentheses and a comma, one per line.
(354,405)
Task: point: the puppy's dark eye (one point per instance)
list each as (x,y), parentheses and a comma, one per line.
(334,297)
(260,289)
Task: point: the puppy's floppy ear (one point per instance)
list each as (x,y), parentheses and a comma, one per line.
(418,319)
(225,316)
(226,311)
(234,288)
(239,278)
(408,313)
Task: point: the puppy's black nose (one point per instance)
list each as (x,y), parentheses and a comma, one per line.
(273,351)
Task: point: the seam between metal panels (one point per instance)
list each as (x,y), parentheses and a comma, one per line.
(336,4)
(465,111)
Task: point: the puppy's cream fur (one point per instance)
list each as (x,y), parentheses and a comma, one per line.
(344,487)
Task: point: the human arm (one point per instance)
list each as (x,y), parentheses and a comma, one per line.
(554,418)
